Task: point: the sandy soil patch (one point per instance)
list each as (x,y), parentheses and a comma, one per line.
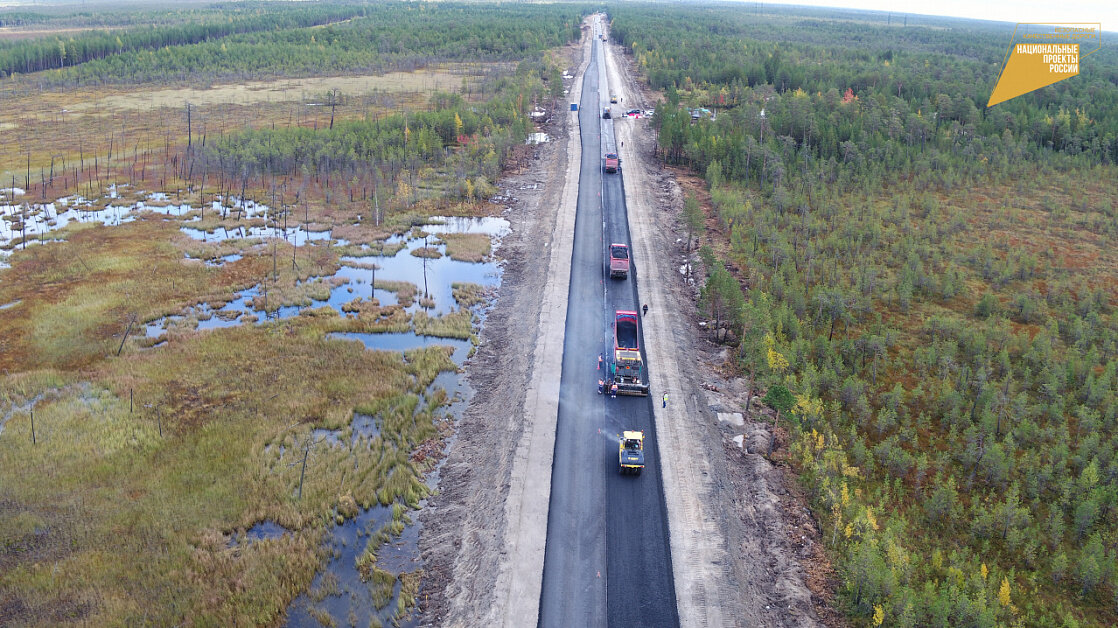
(13,33)
(444,78)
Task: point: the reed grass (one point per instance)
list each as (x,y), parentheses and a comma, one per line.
(456,324)
(467,247)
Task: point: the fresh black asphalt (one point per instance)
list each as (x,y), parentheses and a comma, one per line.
(607,559)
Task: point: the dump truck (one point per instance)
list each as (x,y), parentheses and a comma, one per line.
(627,368)
(613,162)
(613,98)
(630,455)
(618,261)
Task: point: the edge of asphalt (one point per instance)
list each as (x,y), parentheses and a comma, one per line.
(520,579)
(697,544)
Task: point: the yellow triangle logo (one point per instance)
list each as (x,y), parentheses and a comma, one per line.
(1033,66)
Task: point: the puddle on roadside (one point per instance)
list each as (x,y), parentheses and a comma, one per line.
(341,593)
(401,554)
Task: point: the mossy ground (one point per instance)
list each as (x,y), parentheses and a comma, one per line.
(147,465)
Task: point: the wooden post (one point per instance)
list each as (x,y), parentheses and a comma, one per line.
(129,401)
(303,473)
(121,348)
(32,425)
(425,295)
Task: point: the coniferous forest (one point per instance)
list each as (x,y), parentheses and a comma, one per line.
(248,40)
(921,290)
(922,287)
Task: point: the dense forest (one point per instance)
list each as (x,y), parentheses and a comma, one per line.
(923,286)
(195,26)
(293,40)
(456,147)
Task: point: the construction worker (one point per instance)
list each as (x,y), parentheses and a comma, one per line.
(613,390)
(645,308)
(665,400)
(601,385)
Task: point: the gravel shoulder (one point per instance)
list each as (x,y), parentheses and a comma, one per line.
(734,560)
(485,529)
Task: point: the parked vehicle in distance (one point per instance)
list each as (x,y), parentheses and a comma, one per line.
(618,261)
(613,99)
(605,113)
(613,163)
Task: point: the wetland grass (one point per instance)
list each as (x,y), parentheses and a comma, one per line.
(457,324)
(467,295)
(117,514)
(467,247)
(141,506)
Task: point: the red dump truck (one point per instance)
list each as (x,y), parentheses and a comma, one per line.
(618,261)
(627,368)
(613,163)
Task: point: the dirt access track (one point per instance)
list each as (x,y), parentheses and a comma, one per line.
(484,532)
